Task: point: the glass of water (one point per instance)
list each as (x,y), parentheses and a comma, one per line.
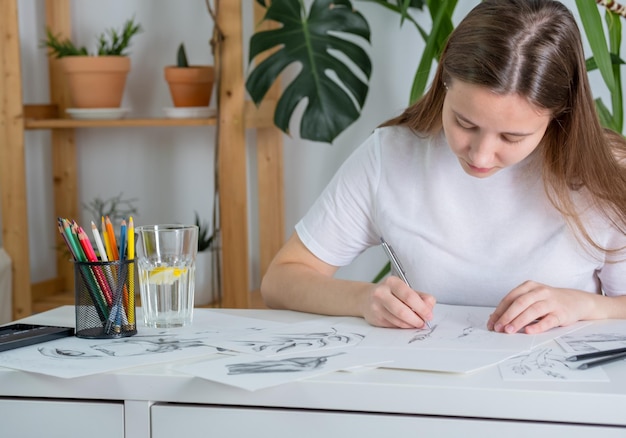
(166,261)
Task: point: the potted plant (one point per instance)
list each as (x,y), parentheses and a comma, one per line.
(95,81)
(190,85)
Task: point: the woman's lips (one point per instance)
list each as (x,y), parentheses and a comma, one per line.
(479,169)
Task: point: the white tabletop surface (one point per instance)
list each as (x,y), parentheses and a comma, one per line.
(483,394)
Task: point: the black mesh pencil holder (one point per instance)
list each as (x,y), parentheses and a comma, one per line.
(105,299)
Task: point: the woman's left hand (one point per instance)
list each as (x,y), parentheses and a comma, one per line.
(535,308)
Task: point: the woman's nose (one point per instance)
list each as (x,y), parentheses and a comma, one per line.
(482,152)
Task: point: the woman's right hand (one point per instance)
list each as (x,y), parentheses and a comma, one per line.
(392,303)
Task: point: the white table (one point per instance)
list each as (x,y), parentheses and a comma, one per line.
(157,401)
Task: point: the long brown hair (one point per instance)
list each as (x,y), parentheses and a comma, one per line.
(533,48)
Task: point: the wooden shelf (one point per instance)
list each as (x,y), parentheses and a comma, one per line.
(234,117)
(47,117)
(120,123)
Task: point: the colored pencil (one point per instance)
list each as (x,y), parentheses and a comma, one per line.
(112,240)
(97,296)
(97,270)
(107,242)
(99,244)
(131,274)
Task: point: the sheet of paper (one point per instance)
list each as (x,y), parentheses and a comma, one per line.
(319,334)
(253,372)
(75,357)
(599,336)
(445,361)
(548,365)
(459,342)
(459,328)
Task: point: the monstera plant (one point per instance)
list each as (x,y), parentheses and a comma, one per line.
(333,102)
(335,71)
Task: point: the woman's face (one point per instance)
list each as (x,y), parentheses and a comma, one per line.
(487,131)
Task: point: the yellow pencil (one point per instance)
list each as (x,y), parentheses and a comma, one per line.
(131,272)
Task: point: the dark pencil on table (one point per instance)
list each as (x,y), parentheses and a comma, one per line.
(602,361)
(593,355)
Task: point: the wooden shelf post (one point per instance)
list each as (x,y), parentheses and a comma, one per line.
(231,144)
(269,149)
(64,161)
(13,160)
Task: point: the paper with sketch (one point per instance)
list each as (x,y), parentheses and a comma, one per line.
(458,342)
(548,365)
(75,357)
(602,335)
(253,372)
(459,328)
(318,334)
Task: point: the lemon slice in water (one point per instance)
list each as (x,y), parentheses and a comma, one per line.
(165,275)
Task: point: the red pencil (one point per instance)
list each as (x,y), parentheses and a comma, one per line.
(97,270)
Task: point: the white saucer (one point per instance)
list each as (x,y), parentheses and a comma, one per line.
(190,112)
(97,113)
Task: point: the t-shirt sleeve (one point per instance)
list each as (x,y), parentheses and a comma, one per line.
(339,226)
(613,274)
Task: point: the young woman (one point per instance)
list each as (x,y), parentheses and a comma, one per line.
(498,188)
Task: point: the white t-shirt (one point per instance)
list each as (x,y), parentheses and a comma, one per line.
(463,239)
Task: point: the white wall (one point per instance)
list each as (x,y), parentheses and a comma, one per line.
(169,170)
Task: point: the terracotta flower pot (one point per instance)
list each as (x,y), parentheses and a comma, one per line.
(190,86)
(96,81)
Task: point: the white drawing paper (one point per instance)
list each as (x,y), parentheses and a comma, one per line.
(548,365)
(75,357)
(458,342)
(460,328)
(253,372)
(318,334)
(600,336)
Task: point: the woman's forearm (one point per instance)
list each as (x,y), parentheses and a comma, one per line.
(299,287)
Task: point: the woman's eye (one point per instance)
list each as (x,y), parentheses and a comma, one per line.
(513,140)
(464,124)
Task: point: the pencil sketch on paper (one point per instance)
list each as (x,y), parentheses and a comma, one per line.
(287,365)
(470,328)
(423,334)
(279,343)
(587,343)
(548,365)
(542,361)
(125,347)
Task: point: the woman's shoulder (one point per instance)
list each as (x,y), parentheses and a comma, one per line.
(400,136)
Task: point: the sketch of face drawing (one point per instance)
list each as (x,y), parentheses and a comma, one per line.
(294,364)
(293,342)
(593,341)
(125,347)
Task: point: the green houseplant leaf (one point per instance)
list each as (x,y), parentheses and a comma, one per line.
(441,13)
(319,42)
(607,60)
(592,23)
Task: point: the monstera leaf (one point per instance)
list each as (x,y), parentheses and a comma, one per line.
(334,72)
